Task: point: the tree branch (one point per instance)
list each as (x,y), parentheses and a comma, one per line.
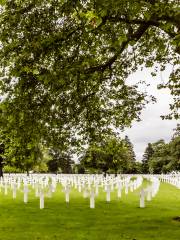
(135,36)
(132,21)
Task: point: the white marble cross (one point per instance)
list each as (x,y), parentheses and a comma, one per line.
(96,188)
(67,191)
(26,193)
(85,192)
(92,196)
(50,190)
(108,192)
(126,188)
(41,198)
(5,188)
(119,189)
(132,186)
(14,190)
(142,198)
(79,187)
(149,194)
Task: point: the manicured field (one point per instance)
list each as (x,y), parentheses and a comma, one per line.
(118,220)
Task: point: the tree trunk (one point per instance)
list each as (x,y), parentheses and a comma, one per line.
(1,171)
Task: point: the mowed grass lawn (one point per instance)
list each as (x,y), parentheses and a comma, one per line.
(118,220)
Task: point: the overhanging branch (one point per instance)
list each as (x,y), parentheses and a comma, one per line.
(135,36)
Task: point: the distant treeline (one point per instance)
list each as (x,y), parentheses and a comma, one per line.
(110,155)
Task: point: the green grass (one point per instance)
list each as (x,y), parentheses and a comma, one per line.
(118,220)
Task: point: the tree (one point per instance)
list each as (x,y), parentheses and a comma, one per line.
(176,131)
(65,64)
(95,159)
(42,165)
(60,162)
(24,156)
(174,152)
(22,145)
(160,159)
(138,168)
(146,158)
(131,155)
(110,155)
(130,147)
(1,159)
(78,168)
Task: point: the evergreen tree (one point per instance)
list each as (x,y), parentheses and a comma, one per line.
(176,132)
(129,145)
(146,158)
(1,159)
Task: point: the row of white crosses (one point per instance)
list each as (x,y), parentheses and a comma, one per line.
(17,182)
(89,185)
(173,179)
(150,191)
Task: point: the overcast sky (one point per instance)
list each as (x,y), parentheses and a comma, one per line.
(152,127)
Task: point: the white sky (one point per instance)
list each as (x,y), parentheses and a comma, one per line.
(152,127)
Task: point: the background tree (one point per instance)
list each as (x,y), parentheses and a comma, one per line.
(146,158)
(138,168)
(42,165)
(131,155)
(176,131)
(110,155)
(24,156)
(60,162)
(1,159)
(78,168)
(174,152)
(160,159)
(130,147)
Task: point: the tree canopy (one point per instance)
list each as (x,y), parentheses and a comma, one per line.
(60,162)
(161,157)
(110,155)
(64,65)
(146,158)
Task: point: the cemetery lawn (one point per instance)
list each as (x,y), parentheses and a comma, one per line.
(118,220)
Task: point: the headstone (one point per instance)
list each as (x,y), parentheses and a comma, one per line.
(25,193)
(132,187)
(97,189)
(85,192)
(142,198)
(149,197)
(14,191)
(41,198)
(79,186)
(108,193)
(92,196)
(5,188)
(67,191)
(37,190)
(119,189)
(50,190)
(126,188)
